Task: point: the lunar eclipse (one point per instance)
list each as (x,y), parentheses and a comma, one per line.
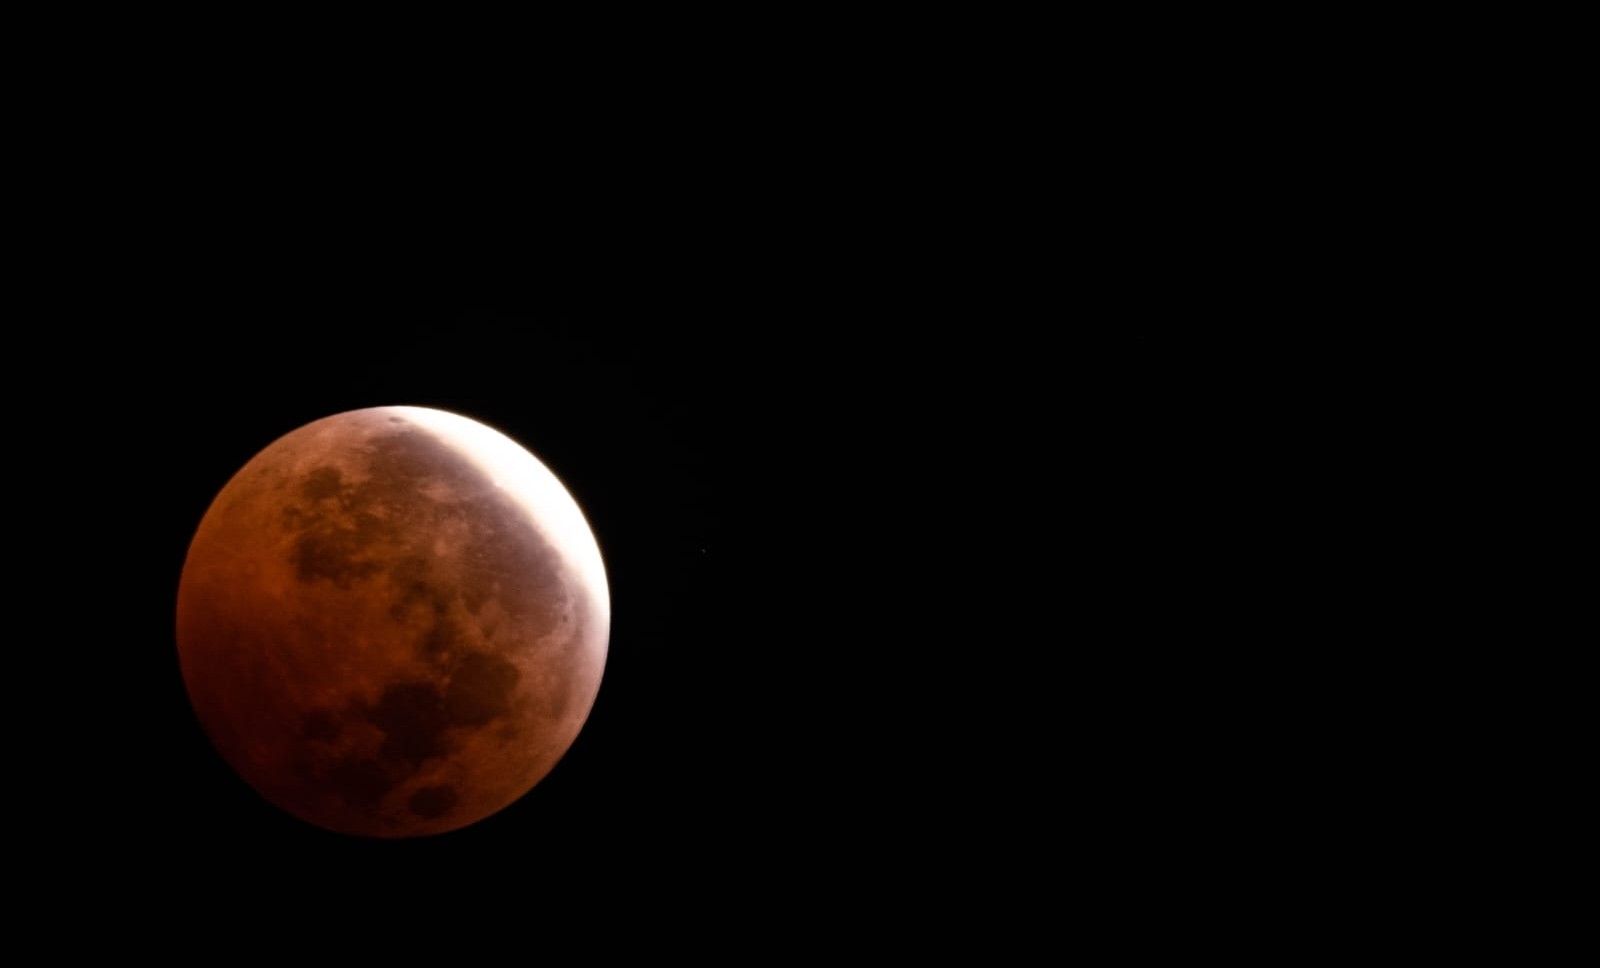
(393,622)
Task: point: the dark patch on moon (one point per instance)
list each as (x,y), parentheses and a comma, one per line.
(416,719)
(480,689)
(324,482)
(441,636)
(412,717)
(333,555)
(320,725)
(409,576)
(433,802)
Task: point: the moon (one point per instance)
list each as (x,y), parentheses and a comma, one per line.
(393,622)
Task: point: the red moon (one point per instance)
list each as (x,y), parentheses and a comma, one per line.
(393,622)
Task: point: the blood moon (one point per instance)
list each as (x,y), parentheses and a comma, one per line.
(392,622)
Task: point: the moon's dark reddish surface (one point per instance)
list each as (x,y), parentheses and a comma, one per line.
(393,622)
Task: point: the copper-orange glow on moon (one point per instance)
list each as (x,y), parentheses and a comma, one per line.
(393,622)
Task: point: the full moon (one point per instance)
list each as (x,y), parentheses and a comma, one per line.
(393,622)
